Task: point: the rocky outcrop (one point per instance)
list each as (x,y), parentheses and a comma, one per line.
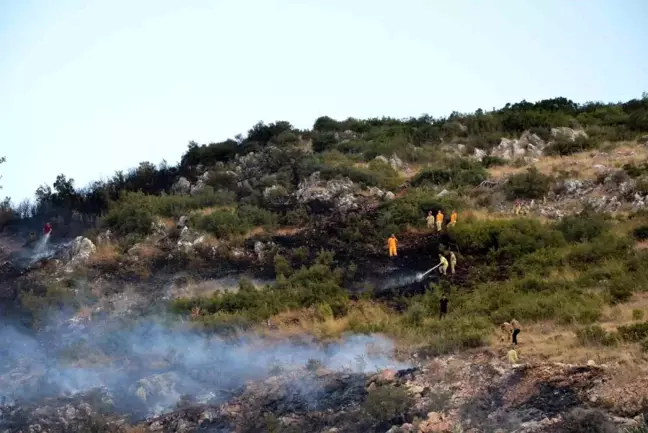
(337,193)
(528,145)
(181,186)
(80,252)
(568,133)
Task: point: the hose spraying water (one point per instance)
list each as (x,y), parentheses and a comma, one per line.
(420,276)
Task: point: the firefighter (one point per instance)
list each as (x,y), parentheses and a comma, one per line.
(47,229)
(453,262)
(430,220)
(443,268)
(392,243)
(439,220)
(517,206)
(453,218)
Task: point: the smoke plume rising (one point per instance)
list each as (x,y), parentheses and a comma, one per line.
(149,366)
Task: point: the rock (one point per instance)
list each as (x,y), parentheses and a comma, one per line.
(80,252)
(390,195)
(443,193)
(259,248)
(568,133)
(434,424)
(104,238)
(276,194)
(376,192)
(479,154)
(381,159)
(333,193)
(643,140)
(197,187)
(385,376)
(182,186)
(182,222)
(396,162)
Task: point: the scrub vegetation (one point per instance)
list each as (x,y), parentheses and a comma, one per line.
(567,272)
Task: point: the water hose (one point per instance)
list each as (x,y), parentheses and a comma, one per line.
(420,277)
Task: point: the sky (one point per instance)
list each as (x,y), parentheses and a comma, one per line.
(88,87)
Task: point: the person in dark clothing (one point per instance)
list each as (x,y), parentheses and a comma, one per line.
(443,307)
(516,330)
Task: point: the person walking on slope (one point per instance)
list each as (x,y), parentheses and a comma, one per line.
(453,218)
(443,268)
(47,229)
(439,220)
(453,262)
(430,220)
(517,206)
(392,243)
(443,306)
(516,330)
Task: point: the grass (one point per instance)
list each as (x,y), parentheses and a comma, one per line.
(581,164)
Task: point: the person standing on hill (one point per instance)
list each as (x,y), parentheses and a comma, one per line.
(453,262)
(439,220)
(453,218)
(443,306)
(443,265)
(392,244)
(430,220)
(516,330)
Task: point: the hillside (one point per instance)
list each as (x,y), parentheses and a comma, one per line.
(249,288)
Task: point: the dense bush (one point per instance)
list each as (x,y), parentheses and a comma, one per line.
(456,173)
(531,185)
(583,227)
(566,146)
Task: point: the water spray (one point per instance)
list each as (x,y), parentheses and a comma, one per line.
(419,277)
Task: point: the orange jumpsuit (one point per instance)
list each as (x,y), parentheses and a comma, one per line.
(391,243)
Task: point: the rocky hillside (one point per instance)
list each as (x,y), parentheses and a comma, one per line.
(249,288)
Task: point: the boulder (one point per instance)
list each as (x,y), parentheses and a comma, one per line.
(333,193)
(81,250)
(181,186)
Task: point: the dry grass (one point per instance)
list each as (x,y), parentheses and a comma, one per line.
(288,231)
(106,254)
(581,164)
(550,342)
(307,322)
(210,210)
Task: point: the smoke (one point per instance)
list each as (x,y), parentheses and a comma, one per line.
(147,366)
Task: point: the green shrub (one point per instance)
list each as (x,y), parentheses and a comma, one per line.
(595,335)
(221,223)
(583,227)
(566,146)
(531,185)
(324,141)
(132,214)
(637,314)
(492,161)
(456,173)
(386,403)
(635,332)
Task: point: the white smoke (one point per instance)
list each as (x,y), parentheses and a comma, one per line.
(155,365)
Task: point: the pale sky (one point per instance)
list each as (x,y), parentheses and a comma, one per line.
(88,87)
